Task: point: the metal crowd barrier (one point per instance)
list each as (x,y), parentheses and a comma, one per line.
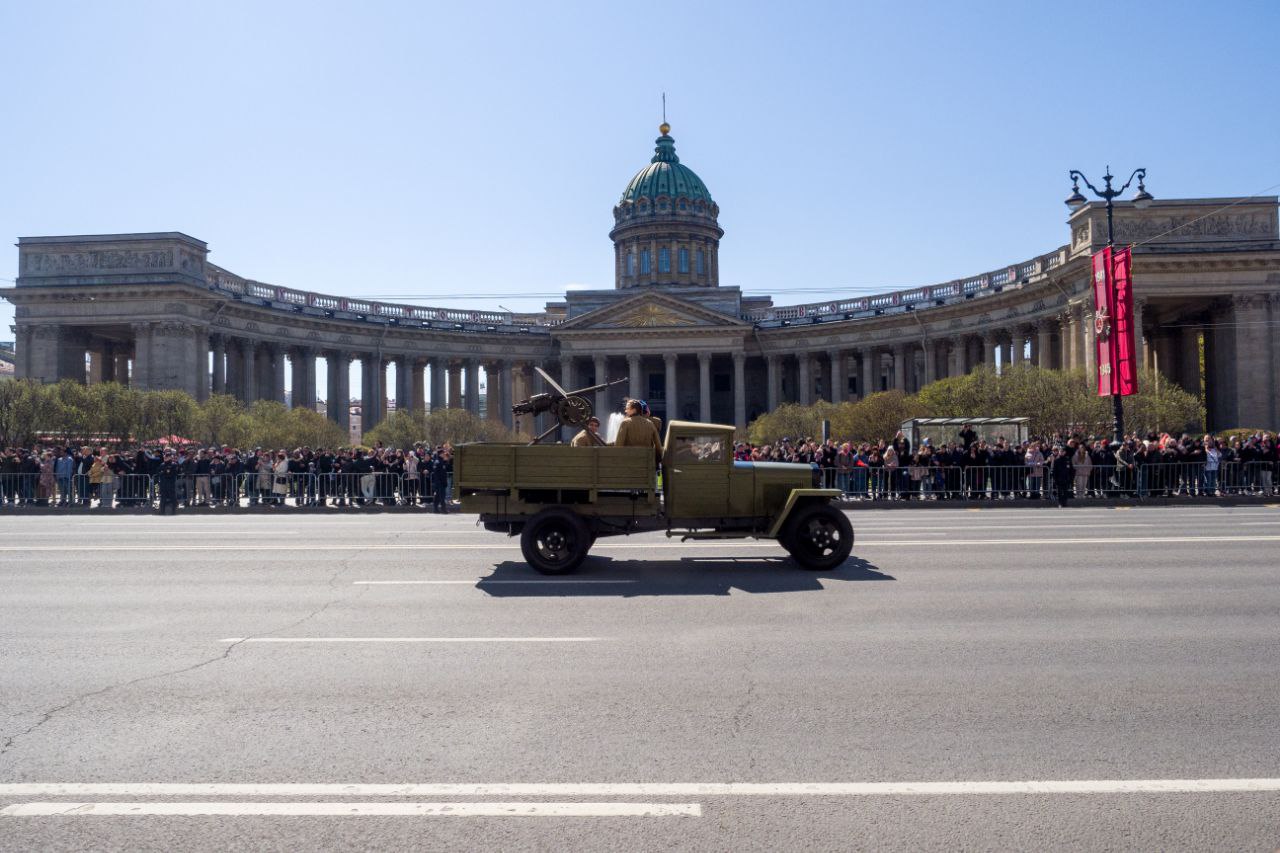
(987,482)
(1006,482)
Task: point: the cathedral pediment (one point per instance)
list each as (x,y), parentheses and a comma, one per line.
(651,311)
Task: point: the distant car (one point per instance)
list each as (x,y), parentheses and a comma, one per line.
(559,499)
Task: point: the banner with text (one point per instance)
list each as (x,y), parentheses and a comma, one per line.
(1113,322)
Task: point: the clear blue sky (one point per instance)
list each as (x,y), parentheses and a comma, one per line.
(478,148)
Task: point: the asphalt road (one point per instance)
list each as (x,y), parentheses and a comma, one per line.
(628,707)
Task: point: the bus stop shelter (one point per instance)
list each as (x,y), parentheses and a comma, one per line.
(942,431)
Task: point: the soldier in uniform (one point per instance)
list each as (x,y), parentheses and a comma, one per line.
(589,436)
(657,421)
(638,431)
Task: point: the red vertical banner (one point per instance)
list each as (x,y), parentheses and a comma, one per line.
(1124,349)
(1102,314)
(1113,322)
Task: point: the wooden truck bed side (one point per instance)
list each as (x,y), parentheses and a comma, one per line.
(521,479)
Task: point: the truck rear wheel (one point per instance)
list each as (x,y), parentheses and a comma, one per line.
(555,541)
(818,536)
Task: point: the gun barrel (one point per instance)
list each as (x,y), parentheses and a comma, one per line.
(598,387)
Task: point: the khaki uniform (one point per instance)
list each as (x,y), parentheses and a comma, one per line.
(583,439)
(657,424)
(639,431)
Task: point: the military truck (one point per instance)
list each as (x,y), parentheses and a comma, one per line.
(560,499)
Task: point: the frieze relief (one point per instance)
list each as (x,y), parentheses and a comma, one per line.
(48,263)
(1189,227)
(173,330)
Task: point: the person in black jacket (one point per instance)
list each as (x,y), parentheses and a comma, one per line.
(439,484)
(166,477)
(1063,471)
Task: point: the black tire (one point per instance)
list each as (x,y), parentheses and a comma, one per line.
(555,541)
(818,537)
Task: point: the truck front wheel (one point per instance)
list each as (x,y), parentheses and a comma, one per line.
(555,541)
(818,536)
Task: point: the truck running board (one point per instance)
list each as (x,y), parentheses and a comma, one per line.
(687,535)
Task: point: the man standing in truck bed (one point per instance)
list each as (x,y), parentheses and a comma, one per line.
(638,431)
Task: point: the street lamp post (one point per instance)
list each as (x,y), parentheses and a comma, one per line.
(1108,194)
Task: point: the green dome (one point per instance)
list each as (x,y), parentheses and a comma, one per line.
(666,176)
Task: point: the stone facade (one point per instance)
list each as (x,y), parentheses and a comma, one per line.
(149,309)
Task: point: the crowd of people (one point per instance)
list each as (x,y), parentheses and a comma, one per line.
(971,467)
(967,467)
(225,476)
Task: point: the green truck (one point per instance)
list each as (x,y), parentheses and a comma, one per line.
(559,499)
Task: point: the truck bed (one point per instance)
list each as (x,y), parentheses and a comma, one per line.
(520,479)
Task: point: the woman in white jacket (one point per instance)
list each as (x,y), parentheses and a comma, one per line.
(280,486)
(1083,464)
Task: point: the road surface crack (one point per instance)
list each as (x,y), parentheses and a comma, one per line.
(46,716)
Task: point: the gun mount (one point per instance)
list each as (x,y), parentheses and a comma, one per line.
(570,408)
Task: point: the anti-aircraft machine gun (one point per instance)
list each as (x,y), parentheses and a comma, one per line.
(569,408)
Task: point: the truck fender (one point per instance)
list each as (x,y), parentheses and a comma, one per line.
(793,500)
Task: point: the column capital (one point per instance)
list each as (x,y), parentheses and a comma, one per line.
(738,356)
(670,358)
(704,357)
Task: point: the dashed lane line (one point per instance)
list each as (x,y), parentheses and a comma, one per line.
(410,640)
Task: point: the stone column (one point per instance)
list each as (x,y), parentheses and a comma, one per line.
(404,384)
(634,377)
(804,378)
(1044,344)
(1078,335)
(1089,347)
(22,362)
(417,386)
(1139,333)
(989,345)
(141,355)
(839,385)
(773,378)
(203,377)
(174,361)
(472,394)
(955,357)
(454,396)
(740,390)
(602,396)
(439,384)
(567,379)
(870,372)
(277,372)
(1065,334)
(671,361)
(506,397)
(102,363)
(1189,357)
(219,364)
(121,369)
(493,391)
(900,367)
(338,395)
(297,376)
(930,362)
(1017,346)
(704,387)
(372,391)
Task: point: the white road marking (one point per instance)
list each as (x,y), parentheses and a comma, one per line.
(410,640)
(487,582)
(633,789)
(732,543)
(312,809)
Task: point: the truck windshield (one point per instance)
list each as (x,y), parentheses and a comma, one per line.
(698,448)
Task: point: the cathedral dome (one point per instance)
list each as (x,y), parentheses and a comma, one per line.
(666,176)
